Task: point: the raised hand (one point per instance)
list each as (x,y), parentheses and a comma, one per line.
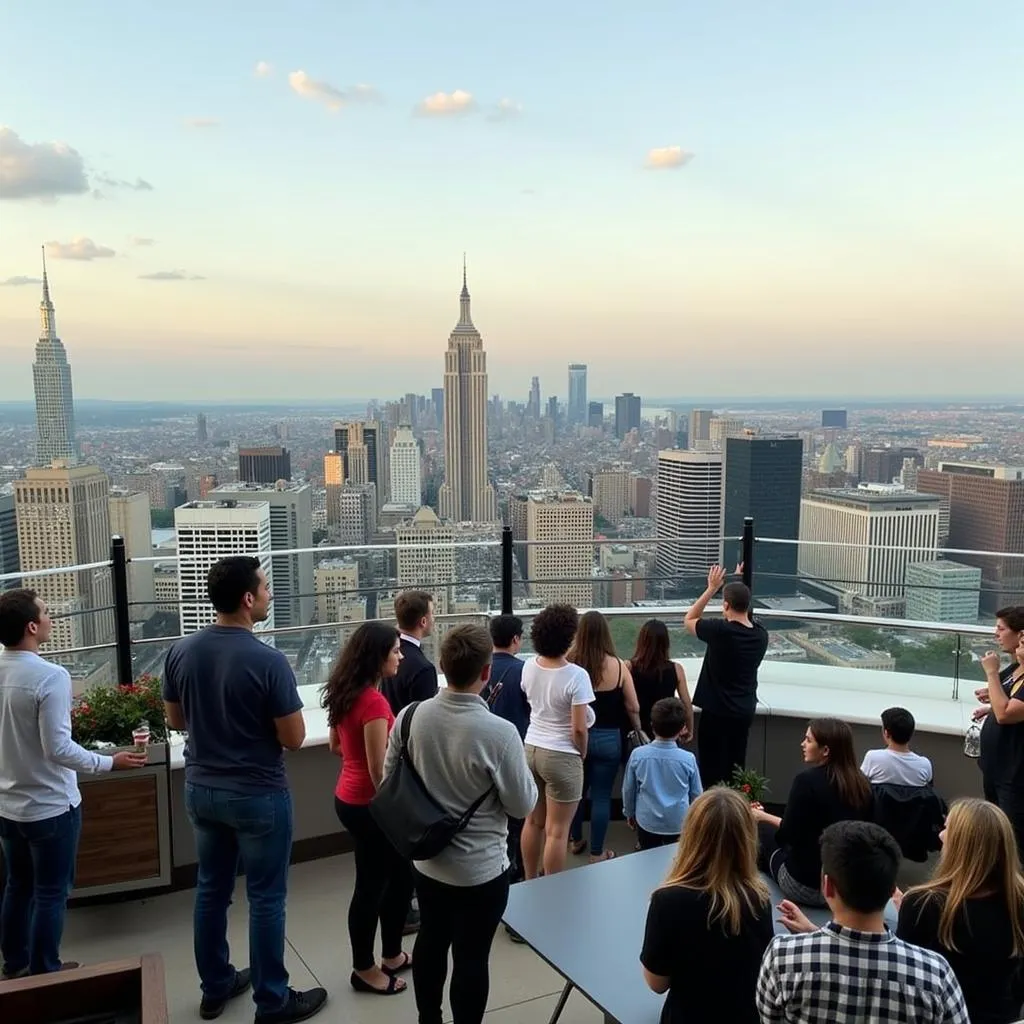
(716,578)
(990,663)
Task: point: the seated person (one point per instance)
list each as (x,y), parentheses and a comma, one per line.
(972,911)
(854,970)
(661,779)
(897,764)
(710,921)
(831,789)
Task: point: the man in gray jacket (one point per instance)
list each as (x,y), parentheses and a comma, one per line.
(461,751)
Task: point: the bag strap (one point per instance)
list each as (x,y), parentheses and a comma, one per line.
(495,687)
(407,725)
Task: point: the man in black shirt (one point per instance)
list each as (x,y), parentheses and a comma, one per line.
(416,678)
(727,686)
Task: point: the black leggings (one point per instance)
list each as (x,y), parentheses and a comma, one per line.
(651,841)
(383,888)
(1010,800)
(462,919)
(721,745)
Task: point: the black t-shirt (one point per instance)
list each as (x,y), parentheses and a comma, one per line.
(1001,757)
(714,975)
(650,688)
(813,804)
(988,974)
(727,684)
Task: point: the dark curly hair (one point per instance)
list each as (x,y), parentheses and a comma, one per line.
(359,666)
(553,630)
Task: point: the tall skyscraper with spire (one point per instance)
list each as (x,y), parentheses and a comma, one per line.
(466,494)
(51,373)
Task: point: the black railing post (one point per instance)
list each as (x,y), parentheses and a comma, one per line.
(747,556)
(122,621)
(506,570)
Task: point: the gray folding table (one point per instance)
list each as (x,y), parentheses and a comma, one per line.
(588,925)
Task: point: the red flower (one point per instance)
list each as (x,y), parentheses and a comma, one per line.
(746,788)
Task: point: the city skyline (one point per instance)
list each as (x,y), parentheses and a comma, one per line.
(690,185)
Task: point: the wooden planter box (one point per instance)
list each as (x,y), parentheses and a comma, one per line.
(126,829)
(126,990)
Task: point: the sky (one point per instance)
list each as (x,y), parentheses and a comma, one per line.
(272,201)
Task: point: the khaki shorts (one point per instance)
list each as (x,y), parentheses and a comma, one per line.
(559,775)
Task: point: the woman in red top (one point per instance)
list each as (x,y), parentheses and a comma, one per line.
(359,719)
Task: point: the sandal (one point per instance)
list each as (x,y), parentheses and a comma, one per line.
(405,965)
(607,855)
(577,846)
(395,985)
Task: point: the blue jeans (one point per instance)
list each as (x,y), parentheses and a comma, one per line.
(40,858)
(254,832)
(604,755)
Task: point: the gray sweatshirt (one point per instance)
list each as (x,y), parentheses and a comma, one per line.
(460,751)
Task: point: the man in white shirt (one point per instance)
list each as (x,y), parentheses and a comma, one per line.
(40,812)
(897,764)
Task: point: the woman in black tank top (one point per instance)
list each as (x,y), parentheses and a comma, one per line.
(655,675)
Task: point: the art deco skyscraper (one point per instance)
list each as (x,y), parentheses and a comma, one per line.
(51,373)
(466,494)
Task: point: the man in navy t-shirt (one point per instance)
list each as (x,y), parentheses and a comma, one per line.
(238,701)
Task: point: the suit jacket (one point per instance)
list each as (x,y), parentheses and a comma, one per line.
(415,680)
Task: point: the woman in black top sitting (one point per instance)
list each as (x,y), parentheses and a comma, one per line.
(1002,735)
(831,789)
(656,675)
(972,911)
(614,706)
(710,922)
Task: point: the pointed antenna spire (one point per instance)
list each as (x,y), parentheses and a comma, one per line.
(46,284)
(465,287)
(464,318)
(46,316)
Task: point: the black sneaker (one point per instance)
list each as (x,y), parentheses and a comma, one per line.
(6,975)
(300,1006)
(211,1009)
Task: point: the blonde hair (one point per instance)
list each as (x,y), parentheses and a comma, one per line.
(979,857)
(717,855)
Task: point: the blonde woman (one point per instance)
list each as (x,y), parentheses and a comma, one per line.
(972,911)
(710,922)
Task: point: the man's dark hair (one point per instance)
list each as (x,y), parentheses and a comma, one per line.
(899,724)
(862,861)
(738,596)
(412,606)
(504,629)
(18,608)
(230,579)
(1013,616)
(553,630)
(465,652)
(668,716)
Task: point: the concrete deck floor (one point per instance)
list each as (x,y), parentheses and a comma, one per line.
(523,989)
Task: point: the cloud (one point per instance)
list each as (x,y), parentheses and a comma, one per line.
(667,158)
(15,282)
(363,93)
(447,104)
(41,170)
(321,92)
(79,248)
(171,275)
(506,110)
(139,240)
(263,69)
(138,185)
(202,122)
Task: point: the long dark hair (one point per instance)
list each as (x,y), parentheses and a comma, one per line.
(359,665)
(841,767)
(592,644)
(653,648)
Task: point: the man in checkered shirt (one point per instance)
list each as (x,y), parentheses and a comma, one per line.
(854,970)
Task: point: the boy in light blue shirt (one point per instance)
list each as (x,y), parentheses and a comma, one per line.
(661,779)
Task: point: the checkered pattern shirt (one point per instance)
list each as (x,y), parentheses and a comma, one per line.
(847,977)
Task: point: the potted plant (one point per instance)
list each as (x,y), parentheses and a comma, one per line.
(751,784)
(106,716)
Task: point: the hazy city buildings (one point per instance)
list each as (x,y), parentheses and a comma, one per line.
(533,402)
(833,419)
(627,414)
(700,427)
(130,520)
(63,516)
(611,494)
(406,476)
(761,477)
(357,514)
(291,528)
(51,376)
(202,435)
(8,541)
(336,582)
(986,513)
(861,541)
(361,447)
(264,465)
(943,591)
(577,408)
(595,414)
(207,531)
(689,513)
(466,494)
(722,427)
(426,557)
(559,528)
